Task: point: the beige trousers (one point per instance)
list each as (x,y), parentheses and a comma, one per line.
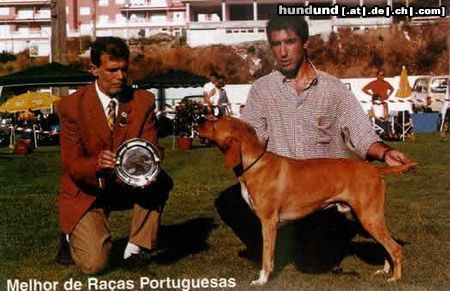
(90,241)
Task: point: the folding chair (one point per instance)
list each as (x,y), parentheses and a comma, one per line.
(445,114)
(382,121)
(404,125)
(378,129)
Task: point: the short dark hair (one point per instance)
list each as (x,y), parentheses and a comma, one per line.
(215,74)
(116,47)
(283,22)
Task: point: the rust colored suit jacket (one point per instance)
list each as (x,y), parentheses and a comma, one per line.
(84,133)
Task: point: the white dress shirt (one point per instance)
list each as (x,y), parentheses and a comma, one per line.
(105,99)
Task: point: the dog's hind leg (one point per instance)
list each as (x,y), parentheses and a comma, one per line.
(372,219)
(394,250)
(269,231)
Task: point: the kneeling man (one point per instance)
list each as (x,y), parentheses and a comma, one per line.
(95,121)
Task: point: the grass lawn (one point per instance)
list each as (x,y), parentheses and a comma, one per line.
(195,243)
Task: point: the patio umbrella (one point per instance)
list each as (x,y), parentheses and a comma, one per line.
(404,89)
(30,100)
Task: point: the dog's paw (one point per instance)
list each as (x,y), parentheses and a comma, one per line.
(386,268)
(392,279)
(263,278)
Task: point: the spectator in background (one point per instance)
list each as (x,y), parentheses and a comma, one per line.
(215,96)
(26,118)
(379,89)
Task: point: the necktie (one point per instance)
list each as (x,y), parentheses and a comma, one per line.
(111,114)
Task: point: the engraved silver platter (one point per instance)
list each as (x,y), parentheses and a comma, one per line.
(138,162)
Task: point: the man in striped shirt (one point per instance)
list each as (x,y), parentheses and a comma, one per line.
(305,113)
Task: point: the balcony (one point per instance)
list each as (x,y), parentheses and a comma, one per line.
(365,22)
(43,20)
(25,35)
(227,24)
(25,3)
(140,6)
(143,23)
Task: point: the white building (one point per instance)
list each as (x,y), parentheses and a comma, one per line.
(27,23)
(234,21)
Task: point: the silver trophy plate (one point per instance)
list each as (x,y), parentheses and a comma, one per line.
(138,162)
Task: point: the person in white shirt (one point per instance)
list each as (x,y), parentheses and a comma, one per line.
(215,96)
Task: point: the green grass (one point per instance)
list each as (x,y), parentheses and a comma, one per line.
(195,242)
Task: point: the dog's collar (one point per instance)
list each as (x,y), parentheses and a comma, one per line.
(239,169)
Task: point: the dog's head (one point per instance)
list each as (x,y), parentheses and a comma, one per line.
(227,133)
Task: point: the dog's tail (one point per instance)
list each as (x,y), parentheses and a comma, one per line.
(397,169)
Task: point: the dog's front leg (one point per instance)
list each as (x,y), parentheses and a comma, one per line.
(269,232)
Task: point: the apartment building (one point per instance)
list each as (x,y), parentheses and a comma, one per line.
(27,23)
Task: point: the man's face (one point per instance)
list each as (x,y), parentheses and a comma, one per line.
(112,74)
(287,48)
(380,75)
(220,82)
(213,79)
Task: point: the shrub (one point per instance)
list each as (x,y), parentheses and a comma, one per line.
(187,113)
(7,57)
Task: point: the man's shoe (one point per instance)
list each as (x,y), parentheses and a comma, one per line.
(132,250)
(63,256)
(135,256)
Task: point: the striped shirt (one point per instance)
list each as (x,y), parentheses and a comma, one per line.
(323,121)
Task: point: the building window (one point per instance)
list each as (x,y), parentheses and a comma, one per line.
(103,3)
(137,2)
(266,11)
(159,3)
(178,17)
(103,19)
(25,13)
(120,1)
(85,10)
(158,18)
(85,29)
(241,12)
(120,18)
(4,11)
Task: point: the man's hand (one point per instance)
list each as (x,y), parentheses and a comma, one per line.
(383,153)
(106,160)
(395,158)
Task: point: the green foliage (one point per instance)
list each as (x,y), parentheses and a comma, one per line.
(186,114)
(7,57)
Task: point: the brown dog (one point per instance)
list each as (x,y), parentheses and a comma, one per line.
(280,189)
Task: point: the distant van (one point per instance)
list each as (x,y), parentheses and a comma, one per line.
(430,89)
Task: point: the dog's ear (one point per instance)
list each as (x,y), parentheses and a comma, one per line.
(232,153)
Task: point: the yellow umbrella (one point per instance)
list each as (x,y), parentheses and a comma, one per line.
(404,89)
(30,100)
